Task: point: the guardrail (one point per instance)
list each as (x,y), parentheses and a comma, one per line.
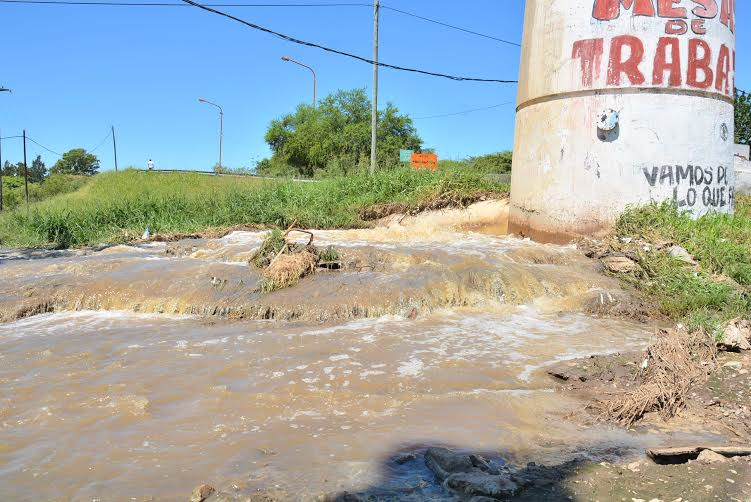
(212,173)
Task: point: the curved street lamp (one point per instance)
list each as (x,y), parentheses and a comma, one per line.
(290,60)
(221,125)
(2,89)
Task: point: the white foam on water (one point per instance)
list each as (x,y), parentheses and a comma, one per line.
(412,368)
(465,243)
(81,320)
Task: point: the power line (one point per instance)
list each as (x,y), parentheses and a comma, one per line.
(342,53)
(41,145)
(111,3)
(172,4)
(451,26)
(464,112)
(101,143)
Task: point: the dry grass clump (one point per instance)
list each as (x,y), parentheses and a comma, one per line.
(285,262)
(287,270)
(677,361)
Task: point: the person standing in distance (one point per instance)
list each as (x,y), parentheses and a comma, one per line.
(151,165)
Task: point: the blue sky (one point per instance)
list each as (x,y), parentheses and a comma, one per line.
(75,71)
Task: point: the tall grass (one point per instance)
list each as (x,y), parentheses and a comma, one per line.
(119,206)
(721,289)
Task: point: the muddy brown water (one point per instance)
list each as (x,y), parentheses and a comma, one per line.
(156,371)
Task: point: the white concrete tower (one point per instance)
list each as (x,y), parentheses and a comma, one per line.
(622,102)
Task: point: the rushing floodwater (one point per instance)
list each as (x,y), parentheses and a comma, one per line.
(111,405)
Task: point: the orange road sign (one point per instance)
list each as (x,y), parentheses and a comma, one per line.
(425,161)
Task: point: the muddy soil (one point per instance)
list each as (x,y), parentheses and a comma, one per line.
(722,405)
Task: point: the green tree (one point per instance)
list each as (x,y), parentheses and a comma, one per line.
(76,161)
(495,163)
(37,170)
(10,169)
(334,138)
(742,117)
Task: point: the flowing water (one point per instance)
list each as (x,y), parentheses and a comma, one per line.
(152,369)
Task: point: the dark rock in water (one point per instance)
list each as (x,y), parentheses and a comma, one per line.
(201,493)
(444,462)
(405,458)
(481,484)
(541,476)
(471,477)
(482,463)
(345,497)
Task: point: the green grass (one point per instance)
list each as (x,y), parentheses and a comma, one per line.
(14,192)
(116,207)
(721,289)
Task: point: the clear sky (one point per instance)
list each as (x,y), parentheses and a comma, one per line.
(77,70)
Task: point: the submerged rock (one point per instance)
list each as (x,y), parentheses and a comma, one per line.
(469,476)
(443,462)
(201,493)
(482,484)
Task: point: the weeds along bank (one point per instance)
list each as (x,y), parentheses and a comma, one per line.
(119,206)
(696,272)
(14,190)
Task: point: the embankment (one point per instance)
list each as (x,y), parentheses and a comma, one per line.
(118,207)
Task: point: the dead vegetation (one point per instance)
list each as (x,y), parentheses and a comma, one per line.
(679,360)
(285,262)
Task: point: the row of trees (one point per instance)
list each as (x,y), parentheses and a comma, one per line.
(77,161)
(742,117)
(37,169)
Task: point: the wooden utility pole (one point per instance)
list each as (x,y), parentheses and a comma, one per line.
(374,113)
(114,146)
(25,169)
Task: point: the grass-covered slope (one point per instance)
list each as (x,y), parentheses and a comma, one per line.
(14,191)
(116,207)
(718,288)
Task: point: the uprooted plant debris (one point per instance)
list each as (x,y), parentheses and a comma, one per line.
(285,262)
(684,378)
(673,365)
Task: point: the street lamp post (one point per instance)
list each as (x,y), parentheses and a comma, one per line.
(2,89)
(290,60)
(221,126)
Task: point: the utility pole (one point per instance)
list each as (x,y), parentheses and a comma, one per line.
(374,113)
(114,146)
(25,170)
(2,89)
